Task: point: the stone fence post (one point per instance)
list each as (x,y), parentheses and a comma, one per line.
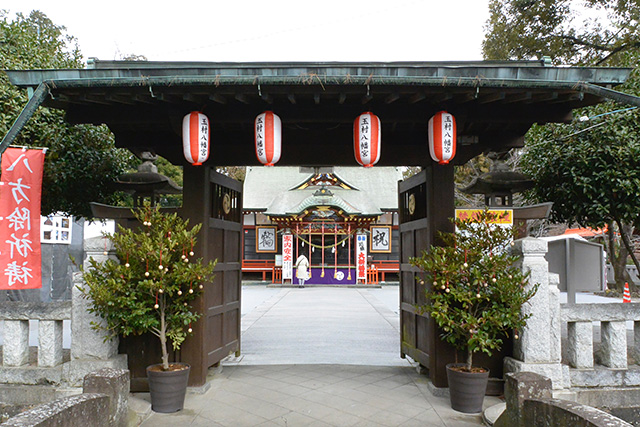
(89,350)
(538,349)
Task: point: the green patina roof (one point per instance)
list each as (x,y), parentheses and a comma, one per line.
(275,192)
(495,103)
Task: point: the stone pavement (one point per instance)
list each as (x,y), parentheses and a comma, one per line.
(317,357)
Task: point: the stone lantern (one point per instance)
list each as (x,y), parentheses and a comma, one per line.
(146,186)
(499,185)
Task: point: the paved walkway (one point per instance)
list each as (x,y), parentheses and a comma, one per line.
(317,357)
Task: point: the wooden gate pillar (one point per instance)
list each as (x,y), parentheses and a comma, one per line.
(440,210)
(426,205)
(195,196)
(440,200)
(215,201)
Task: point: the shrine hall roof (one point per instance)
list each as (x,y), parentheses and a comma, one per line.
(276,191)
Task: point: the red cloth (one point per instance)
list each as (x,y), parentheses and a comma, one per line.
(20,191)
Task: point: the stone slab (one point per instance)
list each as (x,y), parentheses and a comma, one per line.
(556,412)
(49,343)
(53,310)
(580,344)
(520,387)
(606,312)
(608,397)
(75,371)
(115,384)
(85,409)
(15,351)
(15,394)
(601,376)
(614,344)
(34,375)
(87,342)
(556,372)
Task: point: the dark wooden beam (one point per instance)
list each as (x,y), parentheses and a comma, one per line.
(145,99)
(366,99)
(518,97)
(417,98)
(544,97)
(464,97)
(242,98)
(570,97)
(216,97)
(190,97)
(120,99)
(440,97)
(491,97)
(392,98)
(95,99)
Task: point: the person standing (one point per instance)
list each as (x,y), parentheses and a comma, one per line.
(302,266)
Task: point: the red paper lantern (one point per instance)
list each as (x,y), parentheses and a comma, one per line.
(442,137)
(195,137)
(367,135)
(268,136)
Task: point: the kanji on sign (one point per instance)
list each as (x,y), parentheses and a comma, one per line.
(442,137)
(195,137)
(287,256)
(361,257)
(366,139)
(268,138)
(20,190)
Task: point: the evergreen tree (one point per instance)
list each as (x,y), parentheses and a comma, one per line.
(151,286)
(589,169)
(81,162)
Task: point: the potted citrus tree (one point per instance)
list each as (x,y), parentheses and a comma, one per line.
(475,293)
(150,288)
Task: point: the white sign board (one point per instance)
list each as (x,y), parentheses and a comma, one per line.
(287,256)
(361,257)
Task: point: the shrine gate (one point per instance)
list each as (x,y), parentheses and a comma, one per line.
(143,104)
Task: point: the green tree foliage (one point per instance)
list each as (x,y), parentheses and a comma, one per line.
(475,291)
(152,285)
(588,169)
(577,32)
(81,162)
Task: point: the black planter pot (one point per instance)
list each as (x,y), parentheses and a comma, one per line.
(168,388)
(466,389)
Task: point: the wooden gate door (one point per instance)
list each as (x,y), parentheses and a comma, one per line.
(426,202)
(215,201)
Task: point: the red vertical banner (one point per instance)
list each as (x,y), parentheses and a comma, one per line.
(20,191)
(287,256)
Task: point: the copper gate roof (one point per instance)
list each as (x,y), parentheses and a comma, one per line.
(494,103)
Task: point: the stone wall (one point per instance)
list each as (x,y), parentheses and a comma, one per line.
(48,366)
(577,369)
(529,403)
(103,403)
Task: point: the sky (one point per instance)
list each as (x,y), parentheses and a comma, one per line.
(279,30)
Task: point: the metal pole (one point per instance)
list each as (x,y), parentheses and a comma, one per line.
(571,292)
(322,274)
(349,252)
(27,112)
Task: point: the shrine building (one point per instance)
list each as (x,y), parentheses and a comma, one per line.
(322,213)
